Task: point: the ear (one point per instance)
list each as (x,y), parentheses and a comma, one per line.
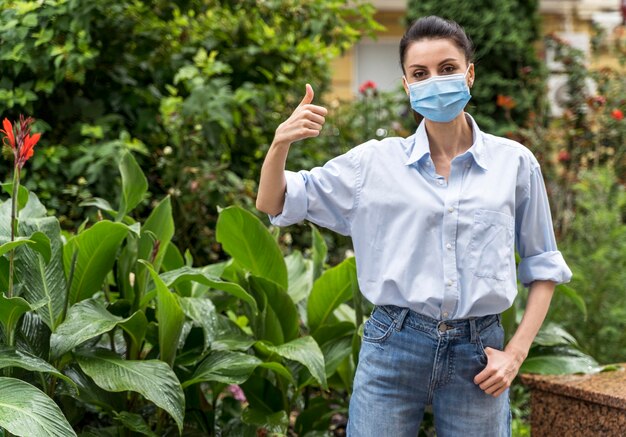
(405,84)
(470,75)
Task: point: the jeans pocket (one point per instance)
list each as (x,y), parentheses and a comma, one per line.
(378,327)
(492,336)
(490,250)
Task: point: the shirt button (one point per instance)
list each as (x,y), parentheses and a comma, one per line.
(440,182)
(449,282)
(448,246)
(445,314)
(451,209)
(428,163)
(468,165)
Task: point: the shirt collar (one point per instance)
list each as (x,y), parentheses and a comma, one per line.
(421,147)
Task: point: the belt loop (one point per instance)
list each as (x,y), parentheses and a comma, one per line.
(499,316)
(401,318)
(473,331)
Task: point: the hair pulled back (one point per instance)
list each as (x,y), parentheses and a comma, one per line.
(434,27)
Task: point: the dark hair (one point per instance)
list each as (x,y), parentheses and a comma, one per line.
(434,27)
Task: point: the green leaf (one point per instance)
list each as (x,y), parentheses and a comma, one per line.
(203,276)
(300,272)
(276,423)
(552,334)
(247,240)
(224,366)
(11,309)
(22,194)
(170,317)
(305,351)
(85,320)
(134,185)
(10,357)
(27,411)
(574,297)
(40,280)
(97,248)
(279,308)
(320,251)
(202,312)
(335,286)
(134,422)
(38,241)
(158,229)
(153,379)
(560,364)
(135,326)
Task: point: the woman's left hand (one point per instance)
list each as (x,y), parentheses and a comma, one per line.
(498,374)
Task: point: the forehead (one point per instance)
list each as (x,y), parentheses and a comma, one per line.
(432,51)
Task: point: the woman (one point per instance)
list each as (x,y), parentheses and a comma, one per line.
(434,219)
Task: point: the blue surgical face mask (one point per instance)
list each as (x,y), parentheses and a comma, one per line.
(440,98)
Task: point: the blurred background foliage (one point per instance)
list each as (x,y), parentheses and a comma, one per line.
(197,87)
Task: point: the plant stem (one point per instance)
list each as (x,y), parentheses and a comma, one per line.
(14,202)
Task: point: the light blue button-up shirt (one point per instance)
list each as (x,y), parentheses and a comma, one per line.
(444,248)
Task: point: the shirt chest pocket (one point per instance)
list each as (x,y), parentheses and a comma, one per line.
(490,250)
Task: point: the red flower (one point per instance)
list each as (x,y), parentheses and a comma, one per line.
(563,156)
(617,114)
(20,139)
(505,102)
(8,131)
(366,86)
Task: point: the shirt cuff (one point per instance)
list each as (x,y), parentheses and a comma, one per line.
(547,266)
(295,206)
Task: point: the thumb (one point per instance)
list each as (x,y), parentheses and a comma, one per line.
(308,97)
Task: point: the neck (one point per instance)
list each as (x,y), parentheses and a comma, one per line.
(449,139)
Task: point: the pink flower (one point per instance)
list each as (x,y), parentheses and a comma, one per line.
(367,85)
(563,156)
(237,393)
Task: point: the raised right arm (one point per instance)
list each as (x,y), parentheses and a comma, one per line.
(306,121)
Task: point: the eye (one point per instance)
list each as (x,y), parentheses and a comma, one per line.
(419,74)
(448,69)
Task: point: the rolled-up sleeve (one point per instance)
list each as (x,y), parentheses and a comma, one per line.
(326,196)
(534,236)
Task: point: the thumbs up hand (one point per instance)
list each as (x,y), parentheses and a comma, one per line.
(306,121)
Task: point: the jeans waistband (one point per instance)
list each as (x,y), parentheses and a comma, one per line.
(469,327)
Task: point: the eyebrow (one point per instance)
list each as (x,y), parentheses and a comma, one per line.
(442,62)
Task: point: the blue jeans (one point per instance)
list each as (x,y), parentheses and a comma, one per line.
(408,361)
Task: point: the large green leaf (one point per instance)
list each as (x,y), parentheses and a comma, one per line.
(203,276)
(40,277)
(38,241)
(335,286)
(303,350)
(279,310)
(11,309)
(248,241)
(202,312)
(134,185)
(156,235)
(319,251)
(560,364)
(10,357)
(27,411)
(300,272)
(153,379)
(97,248)
(274,423)
(170,317)
(85,320)
(224,366)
